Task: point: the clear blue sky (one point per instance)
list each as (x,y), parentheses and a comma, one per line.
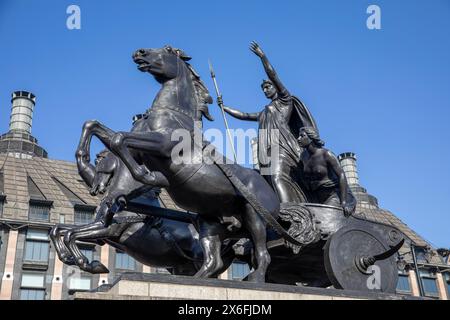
(384,94)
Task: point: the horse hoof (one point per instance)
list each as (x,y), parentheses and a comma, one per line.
(256,278)
(97,267)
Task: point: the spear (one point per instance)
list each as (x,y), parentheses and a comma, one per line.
(219,95)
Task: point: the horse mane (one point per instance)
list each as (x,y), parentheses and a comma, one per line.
(202,94)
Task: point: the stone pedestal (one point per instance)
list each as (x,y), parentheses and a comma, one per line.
(138,286)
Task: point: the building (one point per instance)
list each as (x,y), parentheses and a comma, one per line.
(37,192)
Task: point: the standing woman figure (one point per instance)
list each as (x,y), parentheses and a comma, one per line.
(279,125)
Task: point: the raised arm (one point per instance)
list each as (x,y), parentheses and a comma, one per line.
(238,114)
(270,71)
(333,163)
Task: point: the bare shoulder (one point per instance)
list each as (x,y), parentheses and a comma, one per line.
(329,155)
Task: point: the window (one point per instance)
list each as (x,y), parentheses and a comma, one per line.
(39,210)
(447,281)
(239,270)
(83,214)
(32,294)
(403,285)
(80,283)
(124,261)
(32,287)
(429,284)
(36,246)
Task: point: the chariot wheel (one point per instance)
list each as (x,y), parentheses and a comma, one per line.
(360,256)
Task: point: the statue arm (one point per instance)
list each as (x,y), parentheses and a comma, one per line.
(273,76)
(333,162)
(241,115)
(270,71)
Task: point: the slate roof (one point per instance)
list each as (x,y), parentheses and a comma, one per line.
(23,179)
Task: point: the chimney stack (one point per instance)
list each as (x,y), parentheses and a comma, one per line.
(18,141)
(348,164)
(22,111)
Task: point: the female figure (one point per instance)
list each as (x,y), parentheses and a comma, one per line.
(279,124)
(322,173)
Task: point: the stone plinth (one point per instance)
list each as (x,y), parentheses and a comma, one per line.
(138,286)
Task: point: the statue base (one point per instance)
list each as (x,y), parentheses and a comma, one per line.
(140,286)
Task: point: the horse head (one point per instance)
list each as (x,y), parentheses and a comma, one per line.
(163,63)
(169,63)
(105,166)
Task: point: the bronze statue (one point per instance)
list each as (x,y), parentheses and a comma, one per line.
(322,173)
(324,244)
(285,114)
(207,189)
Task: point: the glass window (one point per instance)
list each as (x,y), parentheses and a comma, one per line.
(1,206)
(39,212)
(403,284)
(80,283)
(430,287)
(32,287)
(239,270)
(124,261)
(83,215)
(37,234)
(32,294)
(30,280)
(36,246)
(447,281)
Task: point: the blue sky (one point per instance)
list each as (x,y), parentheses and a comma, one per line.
(383,94)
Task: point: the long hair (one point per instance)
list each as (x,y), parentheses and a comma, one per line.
(313,135)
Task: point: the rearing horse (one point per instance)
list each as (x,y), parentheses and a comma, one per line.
(195,186)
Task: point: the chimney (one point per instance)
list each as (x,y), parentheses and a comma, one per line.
(18,141)
(22,111)
(348,164)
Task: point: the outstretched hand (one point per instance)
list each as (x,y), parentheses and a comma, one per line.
(256,49)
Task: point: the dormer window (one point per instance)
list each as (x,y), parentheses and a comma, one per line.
(39,210)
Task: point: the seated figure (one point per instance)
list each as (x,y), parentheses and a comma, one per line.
(322,173)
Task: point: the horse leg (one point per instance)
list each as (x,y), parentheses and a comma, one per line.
(151,142)
(63,252)
(91,128)
(257,229)
(211,242)
(91,232)
(212,259)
